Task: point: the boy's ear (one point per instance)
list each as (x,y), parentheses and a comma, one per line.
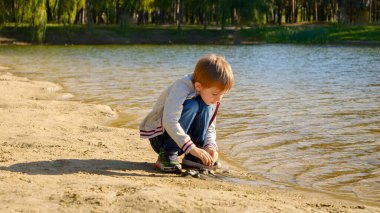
(198,86)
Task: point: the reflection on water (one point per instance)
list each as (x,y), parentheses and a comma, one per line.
(303,116)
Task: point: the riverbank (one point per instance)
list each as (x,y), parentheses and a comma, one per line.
(155,34)
(60,155)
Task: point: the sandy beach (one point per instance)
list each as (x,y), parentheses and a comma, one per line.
(58,155)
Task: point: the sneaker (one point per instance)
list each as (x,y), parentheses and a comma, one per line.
(194,162)
(168,162)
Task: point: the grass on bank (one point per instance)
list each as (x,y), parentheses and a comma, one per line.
(314,34)
(113,34)
(194,34)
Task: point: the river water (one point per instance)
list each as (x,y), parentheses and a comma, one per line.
(299,116)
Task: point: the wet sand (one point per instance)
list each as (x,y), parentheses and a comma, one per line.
(58,155)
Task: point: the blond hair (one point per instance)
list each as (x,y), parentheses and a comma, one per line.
(213,70)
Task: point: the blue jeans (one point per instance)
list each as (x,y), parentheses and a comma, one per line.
(195,119)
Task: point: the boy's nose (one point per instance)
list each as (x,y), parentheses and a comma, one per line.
(216,100)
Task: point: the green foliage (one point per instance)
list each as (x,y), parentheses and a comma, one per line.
(3,12)
(23,11)
(67,10)
(250,11)
(39,20)
(204,13)
(225,11)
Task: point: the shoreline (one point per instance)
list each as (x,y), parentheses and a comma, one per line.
(331,34)
(4,41)
(58,155)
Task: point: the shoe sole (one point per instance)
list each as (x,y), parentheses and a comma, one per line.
(176,169)
(190,163)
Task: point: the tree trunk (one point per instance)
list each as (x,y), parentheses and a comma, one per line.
(48,11)
(351,12)
(315,10)
(162,17)
(117,12)
(217,12)
(370,12)
(205,21)
(13,5)
(89,15)
(376,12)
(309,12)
(83,15)
(207,15)
(223,22)
(55,7)
(279,15)
(179,15)
(294,15)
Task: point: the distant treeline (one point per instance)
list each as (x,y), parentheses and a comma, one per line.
(221,13)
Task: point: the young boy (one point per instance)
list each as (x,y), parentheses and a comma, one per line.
(183,118)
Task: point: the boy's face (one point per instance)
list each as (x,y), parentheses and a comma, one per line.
(210,95)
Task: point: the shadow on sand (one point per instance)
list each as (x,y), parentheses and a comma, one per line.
(92,166)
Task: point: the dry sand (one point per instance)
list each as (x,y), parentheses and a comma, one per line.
(58,155)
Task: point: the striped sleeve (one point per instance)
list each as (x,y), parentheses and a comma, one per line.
(189,145)
(152,133)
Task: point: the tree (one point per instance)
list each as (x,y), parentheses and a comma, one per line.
(225,11)
(179,15)
(39,20)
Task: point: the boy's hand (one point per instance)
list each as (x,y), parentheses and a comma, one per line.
(213,153)
(203,155)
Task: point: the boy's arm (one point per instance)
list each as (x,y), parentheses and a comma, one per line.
(172,113)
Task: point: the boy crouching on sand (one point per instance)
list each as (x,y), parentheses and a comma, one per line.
(183,118)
